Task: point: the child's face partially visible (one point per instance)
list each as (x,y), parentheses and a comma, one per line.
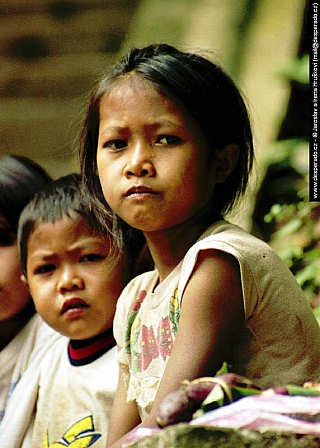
(154,163)
(13,293)
(72,281)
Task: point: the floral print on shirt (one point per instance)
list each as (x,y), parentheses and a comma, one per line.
(141,344)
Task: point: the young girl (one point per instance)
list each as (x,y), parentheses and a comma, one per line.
(169,135)
(24,337)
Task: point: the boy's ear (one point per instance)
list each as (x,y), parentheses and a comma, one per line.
(226,159)
(24,280)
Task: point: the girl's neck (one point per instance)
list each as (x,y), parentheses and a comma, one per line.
(168,247)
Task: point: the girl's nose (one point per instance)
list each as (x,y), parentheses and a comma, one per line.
(70,281)
(140,162)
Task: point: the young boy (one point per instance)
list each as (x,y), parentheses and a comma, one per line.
(75,274)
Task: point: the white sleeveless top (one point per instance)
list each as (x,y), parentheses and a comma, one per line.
(280,343)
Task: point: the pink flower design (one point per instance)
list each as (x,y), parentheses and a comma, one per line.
(149,348)
(164,338)
(137,304)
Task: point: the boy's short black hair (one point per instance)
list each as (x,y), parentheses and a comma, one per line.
(61,198)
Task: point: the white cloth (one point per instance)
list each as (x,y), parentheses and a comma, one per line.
(74,402)
(280,342)
(20,364)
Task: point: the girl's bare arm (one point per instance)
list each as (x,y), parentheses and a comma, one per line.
(124,415)
(211,315)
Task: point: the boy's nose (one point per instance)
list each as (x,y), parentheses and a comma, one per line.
(140,161)
(70,281)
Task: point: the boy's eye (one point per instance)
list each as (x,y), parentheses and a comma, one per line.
(115,145)
(7,238)
(168,140)
(91,257)
(45,269)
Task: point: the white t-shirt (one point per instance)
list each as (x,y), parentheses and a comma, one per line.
(20,364)
(280,342)
(74,402)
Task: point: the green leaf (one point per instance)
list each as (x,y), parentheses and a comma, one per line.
(214,400)
(309,273)
(298,70)
(240,392)
(299,390)
(223,369)
(289,228)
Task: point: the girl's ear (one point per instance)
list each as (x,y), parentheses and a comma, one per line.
(24,280)
(226,159)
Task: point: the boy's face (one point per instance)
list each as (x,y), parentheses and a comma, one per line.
(73,282)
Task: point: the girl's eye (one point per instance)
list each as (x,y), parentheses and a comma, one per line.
(115,145)
(91,258)
(45,269)
(168,140)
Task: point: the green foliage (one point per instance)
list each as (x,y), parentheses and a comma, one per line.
(296,238)
(296,226)
(297,70)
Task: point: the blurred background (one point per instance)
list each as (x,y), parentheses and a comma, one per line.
(53,51)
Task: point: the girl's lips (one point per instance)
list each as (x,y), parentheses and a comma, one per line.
(73,304)
(140,191)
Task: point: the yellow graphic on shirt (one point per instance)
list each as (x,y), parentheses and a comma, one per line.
(174,311)
(81,435)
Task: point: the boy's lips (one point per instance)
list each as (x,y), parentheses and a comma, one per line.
(72,304)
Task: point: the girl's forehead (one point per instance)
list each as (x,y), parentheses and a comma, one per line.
(134,102)
(131,83)
(136,98)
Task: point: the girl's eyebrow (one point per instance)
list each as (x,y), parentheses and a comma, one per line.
(113,129)
(105,131)
(169,124)
(155,126)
